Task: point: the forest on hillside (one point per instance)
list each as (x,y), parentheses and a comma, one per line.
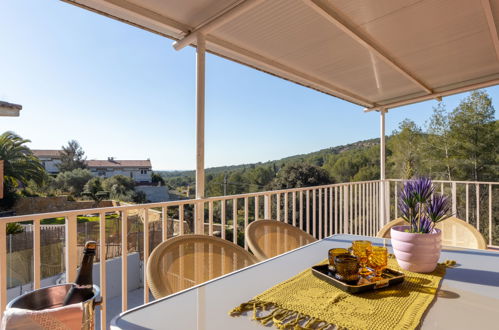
(453,144)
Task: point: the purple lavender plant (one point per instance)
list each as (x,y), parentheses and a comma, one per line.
(418,207)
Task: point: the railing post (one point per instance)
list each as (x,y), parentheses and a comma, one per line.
(37,246)
(199,217)
(164,223)
(102,269)
(490,214)
(266,207)
(477,187)
(387,202)
(345,210)
(454,199)
(234,221)
(3,268)
(124,259)
(71,248)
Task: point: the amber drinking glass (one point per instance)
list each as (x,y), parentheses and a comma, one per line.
(378,260)
(347,268)
(332,253)
(362,250)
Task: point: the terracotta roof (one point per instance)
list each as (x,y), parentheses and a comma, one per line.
(46,153)
(119,163)
(4,104)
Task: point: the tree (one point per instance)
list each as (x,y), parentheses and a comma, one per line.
(120,188)
(405,145)
(298,175)
(157,179)
(118,184)
(20,166)
(93,189)
(72,157)
(439,144)
(73,181)
(473,128)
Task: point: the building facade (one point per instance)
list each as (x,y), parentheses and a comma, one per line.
(139,170)
(50,159)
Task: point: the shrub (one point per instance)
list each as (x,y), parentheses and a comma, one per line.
(73,181)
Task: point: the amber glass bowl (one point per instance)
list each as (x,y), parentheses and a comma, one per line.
(347,268)
(332,253)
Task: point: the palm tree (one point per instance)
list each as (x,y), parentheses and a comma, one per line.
(20,165)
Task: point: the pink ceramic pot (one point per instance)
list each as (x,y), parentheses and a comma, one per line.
(416,252)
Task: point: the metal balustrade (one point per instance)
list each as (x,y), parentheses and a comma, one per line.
(348,208)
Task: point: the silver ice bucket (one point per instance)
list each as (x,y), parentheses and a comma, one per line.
(52,297)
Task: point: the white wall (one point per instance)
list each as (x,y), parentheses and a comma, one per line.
(129,172)
(155,193)
(50,164)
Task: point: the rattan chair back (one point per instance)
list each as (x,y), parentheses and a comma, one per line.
(268,238)
(184,261)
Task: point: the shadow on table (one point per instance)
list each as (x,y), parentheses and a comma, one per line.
(483,277)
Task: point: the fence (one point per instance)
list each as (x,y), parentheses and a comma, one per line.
(349,208)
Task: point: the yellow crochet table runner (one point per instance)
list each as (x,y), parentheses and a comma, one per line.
(306,302)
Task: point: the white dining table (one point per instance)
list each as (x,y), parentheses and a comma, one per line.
(468,297)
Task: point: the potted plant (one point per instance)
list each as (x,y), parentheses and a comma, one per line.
(417,245)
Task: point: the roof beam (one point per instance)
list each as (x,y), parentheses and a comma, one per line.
(364,41)
(315,83)
(437,96)
(221,18)
(492,25)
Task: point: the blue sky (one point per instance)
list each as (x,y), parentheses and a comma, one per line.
(127,93)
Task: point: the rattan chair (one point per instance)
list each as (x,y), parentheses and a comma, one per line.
(184,261)
(455,232)
(268,238)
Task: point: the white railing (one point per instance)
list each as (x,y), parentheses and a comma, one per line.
(472,201)
(350,208)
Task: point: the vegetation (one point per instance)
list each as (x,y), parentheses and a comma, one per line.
(300,175)
(14,228)
(20,167)
(93,189)
(157,179)
(72,157)
(456,145)
(73,181)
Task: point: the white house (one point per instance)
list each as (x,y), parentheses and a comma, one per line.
(139,170)
(50,159)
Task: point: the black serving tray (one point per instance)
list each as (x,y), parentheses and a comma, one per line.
(391,277)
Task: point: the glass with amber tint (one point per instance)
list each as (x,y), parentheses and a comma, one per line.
(332,253)
(347,268)
(362,250)
(378,260)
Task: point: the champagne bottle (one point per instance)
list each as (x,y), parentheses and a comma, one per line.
(83,288)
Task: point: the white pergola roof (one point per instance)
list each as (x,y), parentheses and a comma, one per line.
(375,53)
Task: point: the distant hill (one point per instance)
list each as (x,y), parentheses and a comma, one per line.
(317,157)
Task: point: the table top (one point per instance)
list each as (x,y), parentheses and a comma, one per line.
(468,299)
